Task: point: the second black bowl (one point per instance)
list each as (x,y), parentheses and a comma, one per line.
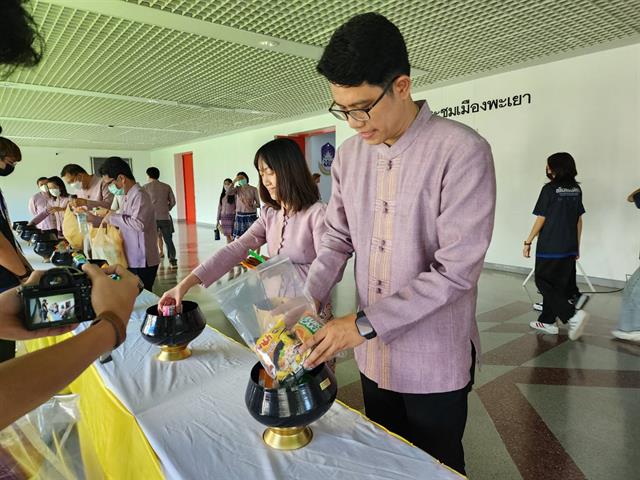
(173,333)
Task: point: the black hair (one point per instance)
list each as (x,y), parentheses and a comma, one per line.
(563,167)
(41,179)
(20,43)
(8,148)
(368,48)
(72,169)
(60,184)
(153,172)
(242,174)
(114,166)
(295,185)
(231,198)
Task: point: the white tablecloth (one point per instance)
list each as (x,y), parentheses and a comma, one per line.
(194,416)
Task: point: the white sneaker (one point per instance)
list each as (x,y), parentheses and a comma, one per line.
(537,306)
(633,336)
(550,328)
(577,324)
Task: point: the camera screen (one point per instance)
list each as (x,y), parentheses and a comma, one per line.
(58,308)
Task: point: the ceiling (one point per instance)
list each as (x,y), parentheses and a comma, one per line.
(142,74)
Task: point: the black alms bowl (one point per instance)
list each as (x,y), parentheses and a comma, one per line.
(62,259)
(18,226)
(292,406)
(45,236)
(173,330)
(45,248)
(27,232)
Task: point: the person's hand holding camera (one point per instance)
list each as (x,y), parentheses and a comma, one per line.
(11,321)
(109,295)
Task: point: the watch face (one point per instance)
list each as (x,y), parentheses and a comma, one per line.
(364,327)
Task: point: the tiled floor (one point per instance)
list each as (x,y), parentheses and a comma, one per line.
(543,407)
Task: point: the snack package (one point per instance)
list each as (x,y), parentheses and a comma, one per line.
(279,348)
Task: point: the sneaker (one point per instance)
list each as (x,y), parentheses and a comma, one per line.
(633,336)
(173,262)
(537,306)
(581,300)
(577,324)
(550,328)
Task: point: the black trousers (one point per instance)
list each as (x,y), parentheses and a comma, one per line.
(556,281)
(434,422)
(165,227)
(147,275)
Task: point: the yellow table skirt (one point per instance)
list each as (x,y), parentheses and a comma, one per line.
(112,443)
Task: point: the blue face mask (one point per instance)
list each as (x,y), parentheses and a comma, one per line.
(242,182)
(115,190)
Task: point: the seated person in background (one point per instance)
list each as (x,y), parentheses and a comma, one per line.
(291,225)
(56,204)
(136,220)
(38,204)
(91,190)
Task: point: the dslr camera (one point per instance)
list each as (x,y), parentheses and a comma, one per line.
(62,297)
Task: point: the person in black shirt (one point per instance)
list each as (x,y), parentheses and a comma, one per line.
(558,227)
(14,268)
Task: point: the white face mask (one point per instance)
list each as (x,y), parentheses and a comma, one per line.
(44,188)
(75,186)
(54,192)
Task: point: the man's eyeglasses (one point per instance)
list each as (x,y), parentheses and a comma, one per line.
(359,114)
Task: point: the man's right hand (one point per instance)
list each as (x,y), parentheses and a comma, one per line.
(109,295)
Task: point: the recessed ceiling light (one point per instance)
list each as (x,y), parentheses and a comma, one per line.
(269,43)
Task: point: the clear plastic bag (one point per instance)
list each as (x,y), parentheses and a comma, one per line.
(43,443)
(272,313)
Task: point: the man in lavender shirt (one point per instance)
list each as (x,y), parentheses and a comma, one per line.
(91,190)
(39,203)
(413,196)
(136,220)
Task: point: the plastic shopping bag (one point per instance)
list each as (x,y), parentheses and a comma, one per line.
(71,230)
(273,315)
(44,443)
(107,244)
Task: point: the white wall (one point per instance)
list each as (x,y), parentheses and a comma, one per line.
(48,162)
(217,158)
(588,106)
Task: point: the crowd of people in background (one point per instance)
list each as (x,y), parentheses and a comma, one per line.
(141,213)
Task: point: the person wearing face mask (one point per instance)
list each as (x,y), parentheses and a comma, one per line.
(558,226)
(91,190)
(291,225)
(226,211)
(136,220)
(14,268)
(38,204)
(56,204)
(247,204)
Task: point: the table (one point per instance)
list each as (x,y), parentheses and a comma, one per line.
(187,420)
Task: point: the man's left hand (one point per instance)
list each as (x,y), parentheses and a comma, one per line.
(337,335)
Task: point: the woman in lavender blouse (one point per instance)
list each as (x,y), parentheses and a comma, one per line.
(291,224)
